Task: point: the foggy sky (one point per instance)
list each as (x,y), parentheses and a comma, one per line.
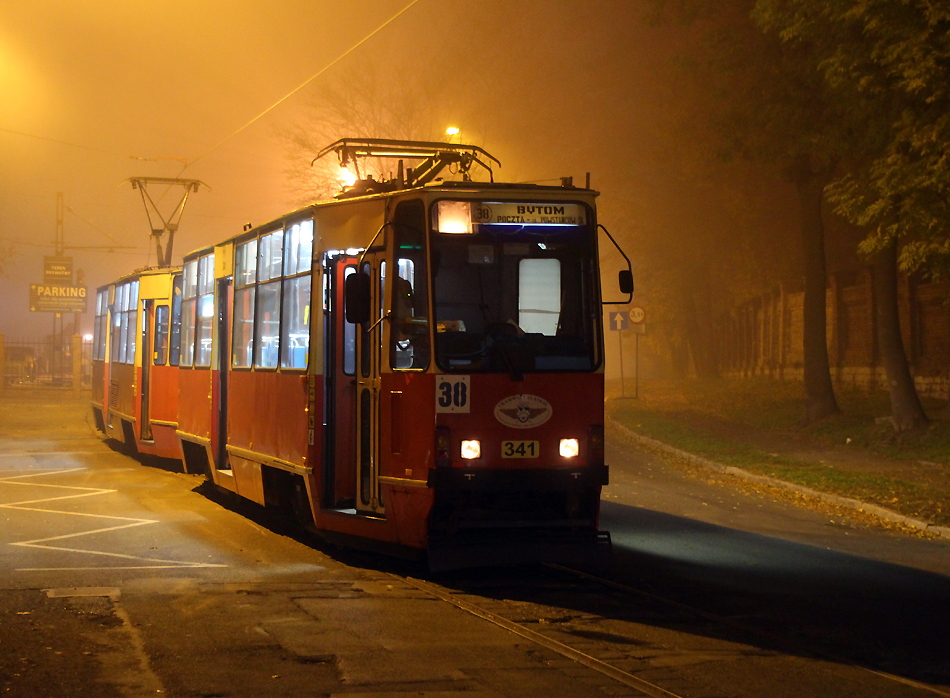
(109,90)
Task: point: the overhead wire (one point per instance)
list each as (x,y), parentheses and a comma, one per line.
(188,163)
(93,148)
(117,249)
(303,84)
(102,232)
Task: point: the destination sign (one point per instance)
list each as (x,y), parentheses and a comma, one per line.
(505,213)
(49,298)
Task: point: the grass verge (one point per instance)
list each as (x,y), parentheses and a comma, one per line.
(753,424)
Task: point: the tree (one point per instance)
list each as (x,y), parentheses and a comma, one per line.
(906,411)
(895,56)
(366,102)
(769,104)
(889,62)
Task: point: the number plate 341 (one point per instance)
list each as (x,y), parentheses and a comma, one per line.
(519,449)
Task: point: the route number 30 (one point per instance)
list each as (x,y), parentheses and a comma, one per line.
(452,394)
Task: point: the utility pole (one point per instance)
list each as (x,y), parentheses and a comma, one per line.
(56,356)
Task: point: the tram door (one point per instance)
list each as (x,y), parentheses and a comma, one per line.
(225,305)
(339,475)
(369,351)
(148,308)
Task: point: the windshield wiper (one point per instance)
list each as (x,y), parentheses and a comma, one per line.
(516,375)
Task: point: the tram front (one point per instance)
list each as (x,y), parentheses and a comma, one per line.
(518,356)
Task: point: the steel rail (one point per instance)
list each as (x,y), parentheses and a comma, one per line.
(644,687)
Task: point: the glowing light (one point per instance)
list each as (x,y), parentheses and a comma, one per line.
(347,178)
(87,337)
(454,217)
(451,131)
(569,448)
(471,449)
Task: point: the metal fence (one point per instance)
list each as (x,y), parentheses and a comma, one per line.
(30,362)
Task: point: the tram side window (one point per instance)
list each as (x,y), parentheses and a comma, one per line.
(349,336)
(189,296)
(129,322)
(124,323)
(242,333)
(272,280)
(161,335)
(116,328)
(205,311)
(174,339)
(409,332)
(267,325)
(295,325)
(100,327)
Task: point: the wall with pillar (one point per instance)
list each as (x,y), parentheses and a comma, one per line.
(764,335)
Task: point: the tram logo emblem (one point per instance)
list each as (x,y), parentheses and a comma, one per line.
(523,411)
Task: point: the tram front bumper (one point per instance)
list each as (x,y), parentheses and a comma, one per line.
(499,517)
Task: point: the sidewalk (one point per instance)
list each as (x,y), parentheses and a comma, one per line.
(748,429)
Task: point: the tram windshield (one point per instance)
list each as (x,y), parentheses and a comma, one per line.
(515,294)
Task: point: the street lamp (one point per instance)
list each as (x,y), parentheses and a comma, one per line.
(453,131)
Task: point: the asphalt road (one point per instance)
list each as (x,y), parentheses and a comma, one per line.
(120,578)
(813,576)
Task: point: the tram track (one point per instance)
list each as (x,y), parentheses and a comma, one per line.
(783,647)
(645,687)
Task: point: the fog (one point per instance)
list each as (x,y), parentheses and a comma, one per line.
(94,94)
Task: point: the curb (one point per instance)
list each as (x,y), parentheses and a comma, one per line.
(850,503)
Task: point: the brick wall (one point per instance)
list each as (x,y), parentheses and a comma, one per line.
(764,335)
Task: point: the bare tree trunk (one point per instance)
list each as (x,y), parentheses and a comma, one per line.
(906,411)
(699,332)
(679,355)
(819,393)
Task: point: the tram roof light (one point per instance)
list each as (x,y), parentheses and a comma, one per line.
(454,217)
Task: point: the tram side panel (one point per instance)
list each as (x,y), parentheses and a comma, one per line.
(407,414)
(197,392)
(156,380)
(267,425)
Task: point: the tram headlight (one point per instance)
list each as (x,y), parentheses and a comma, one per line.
(569,448)
(471,449)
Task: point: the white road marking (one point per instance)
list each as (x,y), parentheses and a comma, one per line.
(83,492)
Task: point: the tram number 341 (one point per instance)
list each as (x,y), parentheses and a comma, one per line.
(520,449)
(452,394)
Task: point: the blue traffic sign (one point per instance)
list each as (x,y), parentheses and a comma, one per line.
(618,321)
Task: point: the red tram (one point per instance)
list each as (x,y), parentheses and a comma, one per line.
(134,361)
(415,366)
